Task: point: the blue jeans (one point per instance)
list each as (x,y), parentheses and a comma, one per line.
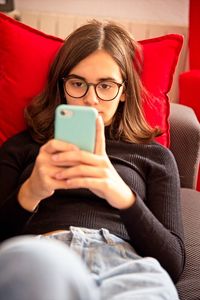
(50,268)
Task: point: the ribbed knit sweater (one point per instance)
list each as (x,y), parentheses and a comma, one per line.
(152,225)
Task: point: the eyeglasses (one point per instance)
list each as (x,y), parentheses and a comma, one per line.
(105,90)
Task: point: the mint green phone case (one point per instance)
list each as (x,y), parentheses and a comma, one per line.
(76,125)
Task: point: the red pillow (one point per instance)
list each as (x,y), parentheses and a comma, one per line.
(160,59)
(25,58)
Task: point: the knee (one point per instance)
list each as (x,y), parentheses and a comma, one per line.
(42,267)
(30,252)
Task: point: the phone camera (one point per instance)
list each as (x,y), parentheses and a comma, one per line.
(66,113)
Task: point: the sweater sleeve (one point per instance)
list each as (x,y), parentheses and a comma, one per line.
(12,216)
(155,225)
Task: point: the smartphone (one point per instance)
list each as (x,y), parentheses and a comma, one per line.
(76,125)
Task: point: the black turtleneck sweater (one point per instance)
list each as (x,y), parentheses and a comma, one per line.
(152,225)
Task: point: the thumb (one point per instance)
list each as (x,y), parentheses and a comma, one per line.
(100,147)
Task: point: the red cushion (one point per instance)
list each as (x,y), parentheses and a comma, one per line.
(194,36)
(189,95)
(25,57)
(198,181)
(160,59)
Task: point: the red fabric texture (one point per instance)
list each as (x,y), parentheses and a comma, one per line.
(189,82)
(160,59)
(25,58)
(198,181)
(189,94)
(194,36)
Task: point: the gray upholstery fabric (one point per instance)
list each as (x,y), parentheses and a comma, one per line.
(185,143)
(189,283)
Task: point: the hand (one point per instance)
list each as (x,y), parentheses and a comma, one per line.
(42,182)
(95,172)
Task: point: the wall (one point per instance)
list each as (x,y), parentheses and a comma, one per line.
(154,11)
(143,18)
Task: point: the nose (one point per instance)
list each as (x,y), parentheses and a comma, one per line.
(91,98)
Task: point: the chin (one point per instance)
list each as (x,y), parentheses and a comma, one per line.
(107,123)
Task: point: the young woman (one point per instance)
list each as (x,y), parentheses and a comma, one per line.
(118,208)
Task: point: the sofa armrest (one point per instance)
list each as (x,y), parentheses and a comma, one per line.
(188,284)
(185,143)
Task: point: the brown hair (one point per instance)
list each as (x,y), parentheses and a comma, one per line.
(128,122)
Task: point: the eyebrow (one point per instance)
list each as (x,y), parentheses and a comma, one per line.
(99,79)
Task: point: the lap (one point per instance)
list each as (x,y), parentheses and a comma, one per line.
(117,269)
(111,263)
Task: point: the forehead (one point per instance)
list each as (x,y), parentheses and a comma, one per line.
(97,65)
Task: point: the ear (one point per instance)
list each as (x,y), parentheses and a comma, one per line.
(123,97)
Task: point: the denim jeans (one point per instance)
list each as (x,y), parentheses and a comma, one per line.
(50,268)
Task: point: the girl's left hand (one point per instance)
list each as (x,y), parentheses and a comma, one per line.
(95,172)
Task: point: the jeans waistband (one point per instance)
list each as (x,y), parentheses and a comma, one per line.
(80,232)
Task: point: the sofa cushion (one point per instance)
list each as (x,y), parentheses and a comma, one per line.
(188,284)
(189,90)
(25,58)
(160,59)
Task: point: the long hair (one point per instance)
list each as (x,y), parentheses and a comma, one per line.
(128,123)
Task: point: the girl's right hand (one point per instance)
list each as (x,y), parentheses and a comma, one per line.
(42,183)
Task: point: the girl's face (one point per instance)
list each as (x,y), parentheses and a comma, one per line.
(97,67)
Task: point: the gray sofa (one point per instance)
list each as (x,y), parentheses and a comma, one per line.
(185,145)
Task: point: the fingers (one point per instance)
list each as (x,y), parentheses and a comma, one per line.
(54,150)
(96,184)
(65,154)
(71,158)
(54,146)
(81,171)
(100,137)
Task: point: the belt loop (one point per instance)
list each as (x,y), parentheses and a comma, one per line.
(107,236)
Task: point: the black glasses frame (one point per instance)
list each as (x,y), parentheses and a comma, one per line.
(88,84)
